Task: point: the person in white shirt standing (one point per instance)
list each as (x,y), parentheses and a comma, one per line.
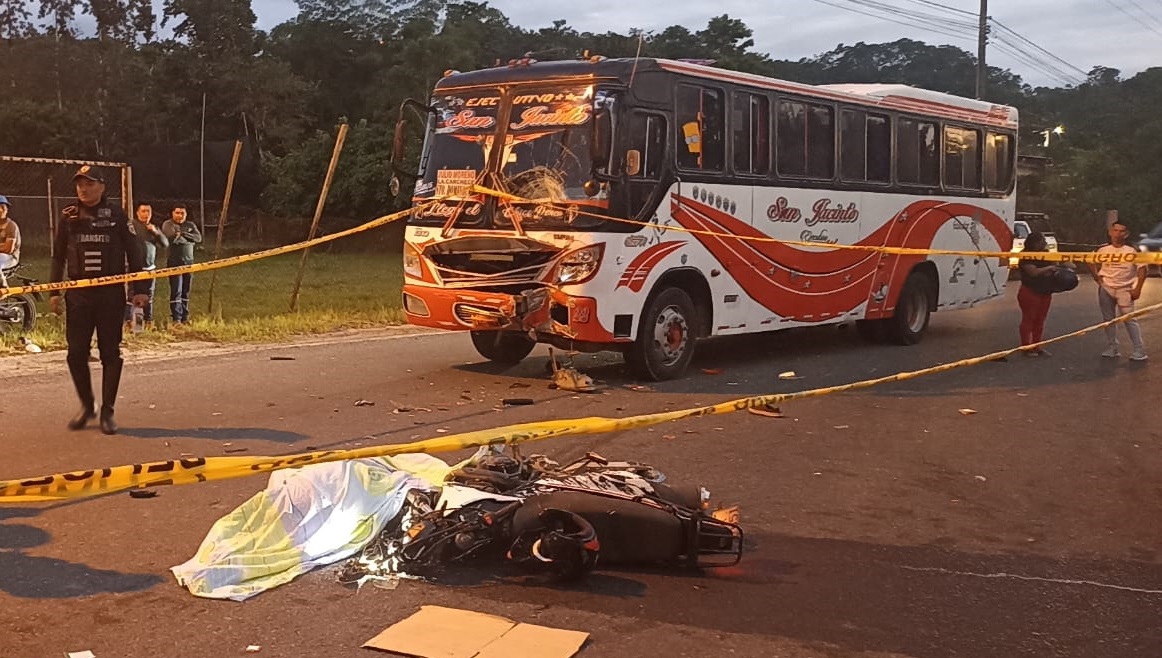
(1119,285)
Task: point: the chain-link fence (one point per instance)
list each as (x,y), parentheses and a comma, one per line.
(353,282)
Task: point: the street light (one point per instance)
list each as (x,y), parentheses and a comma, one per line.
(1059,130)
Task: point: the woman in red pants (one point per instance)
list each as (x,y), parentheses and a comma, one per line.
(1036,293)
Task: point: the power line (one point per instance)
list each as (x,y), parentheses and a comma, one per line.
(1133,17)
(1144,10)
(1016,53)
(1018,35)
(964,36)
(900,11)
(961,30)
(955,10)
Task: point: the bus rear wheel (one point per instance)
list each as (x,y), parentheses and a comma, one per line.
(665,337)
(508,347)
(913,310)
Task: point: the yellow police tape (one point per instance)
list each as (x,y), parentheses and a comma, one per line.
(95,482)
(208,265)
(1137,258)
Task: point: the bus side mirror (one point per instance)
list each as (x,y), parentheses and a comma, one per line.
(398,142)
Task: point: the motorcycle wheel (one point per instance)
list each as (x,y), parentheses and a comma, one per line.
(17,315)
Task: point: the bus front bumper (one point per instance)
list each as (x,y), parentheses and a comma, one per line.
(543,311)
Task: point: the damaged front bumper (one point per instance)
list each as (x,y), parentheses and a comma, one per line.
(545,312)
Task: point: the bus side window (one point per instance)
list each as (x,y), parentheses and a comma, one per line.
(879,148)
(998,162)
(750,126)
(701,128)
(961,158)
(805,140)
(917,158)
(647,136)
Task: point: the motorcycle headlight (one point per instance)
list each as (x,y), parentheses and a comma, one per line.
(580,265)
(412,265)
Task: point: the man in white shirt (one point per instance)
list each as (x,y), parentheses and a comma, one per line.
(1119,285)
(9,237)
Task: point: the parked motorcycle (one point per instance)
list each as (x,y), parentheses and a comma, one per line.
(17,312)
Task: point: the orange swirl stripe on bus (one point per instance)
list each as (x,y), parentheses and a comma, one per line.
(639,268)
(769,270)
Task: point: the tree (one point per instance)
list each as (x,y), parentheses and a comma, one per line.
(15,20)
(214,29)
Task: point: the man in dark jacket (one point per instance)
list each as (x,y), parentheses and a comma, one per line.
(150,238)
(182,235)
(93,240)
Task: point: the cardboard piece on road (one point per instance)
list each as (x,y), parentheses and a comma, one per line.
(438,632)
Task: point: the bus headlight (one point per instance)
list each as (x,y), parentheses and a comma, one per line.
(580,265)
(412,266)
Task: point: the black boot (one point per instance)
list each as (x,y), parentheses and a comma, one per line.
(108,425)
(79,369)
(110,381)
(81,419)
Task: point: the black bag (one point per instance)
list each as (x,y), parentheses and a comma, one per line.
(1063,279)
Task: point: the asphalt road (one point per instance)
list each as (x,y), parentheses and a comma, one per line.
(879,523)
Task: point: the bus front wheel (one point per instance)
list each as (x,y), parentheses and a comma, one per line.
(508,347)
(665,337)
(913,310)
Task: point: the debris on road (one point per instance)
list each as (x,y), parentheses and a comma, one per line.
(766,410)
(966,412)
(982,478)
(439,632)
(516,402)
(239,449)
(790,374)
(81,654)
(282,358)
(569,378)
(364,403)
(142,493)
(638,387)
(712,371)
(253,648)
(519,385)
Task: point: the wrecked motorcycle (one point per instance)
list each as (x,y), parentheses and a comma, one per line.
(552,519)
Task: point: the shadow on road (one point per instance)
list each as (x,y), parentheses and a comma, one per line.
(214,434)
(33,577)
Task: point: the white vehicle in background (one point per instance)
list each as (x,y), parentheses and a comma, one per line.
(1149,242)
(1026,223)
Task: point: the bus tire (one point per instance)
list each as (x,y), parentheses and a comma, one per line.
(913,310)
(507,347)
(665,337)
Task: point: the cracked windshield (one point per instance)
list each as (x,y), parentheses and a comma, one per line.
(546,157)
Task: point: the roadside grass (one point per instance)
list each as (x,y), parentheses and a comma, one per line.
(251,302)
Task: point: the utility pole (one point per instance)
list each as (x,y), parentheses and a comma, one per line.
(981,42)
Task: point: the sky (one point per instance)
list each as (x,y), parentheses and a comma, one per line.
(1121,34)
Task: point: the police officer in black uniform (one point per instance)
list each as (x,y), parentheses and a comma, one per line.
(95,238)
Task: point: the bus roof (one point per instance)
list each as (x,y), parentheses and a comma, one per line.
(887,96)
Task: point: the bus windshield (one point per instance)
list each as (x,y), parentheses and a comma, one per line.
(545,156)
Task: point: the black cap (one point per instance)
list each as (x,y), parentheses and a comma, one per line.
(89,172)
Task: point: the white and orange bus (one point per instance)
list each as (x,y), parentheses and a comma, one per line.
(529,173)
